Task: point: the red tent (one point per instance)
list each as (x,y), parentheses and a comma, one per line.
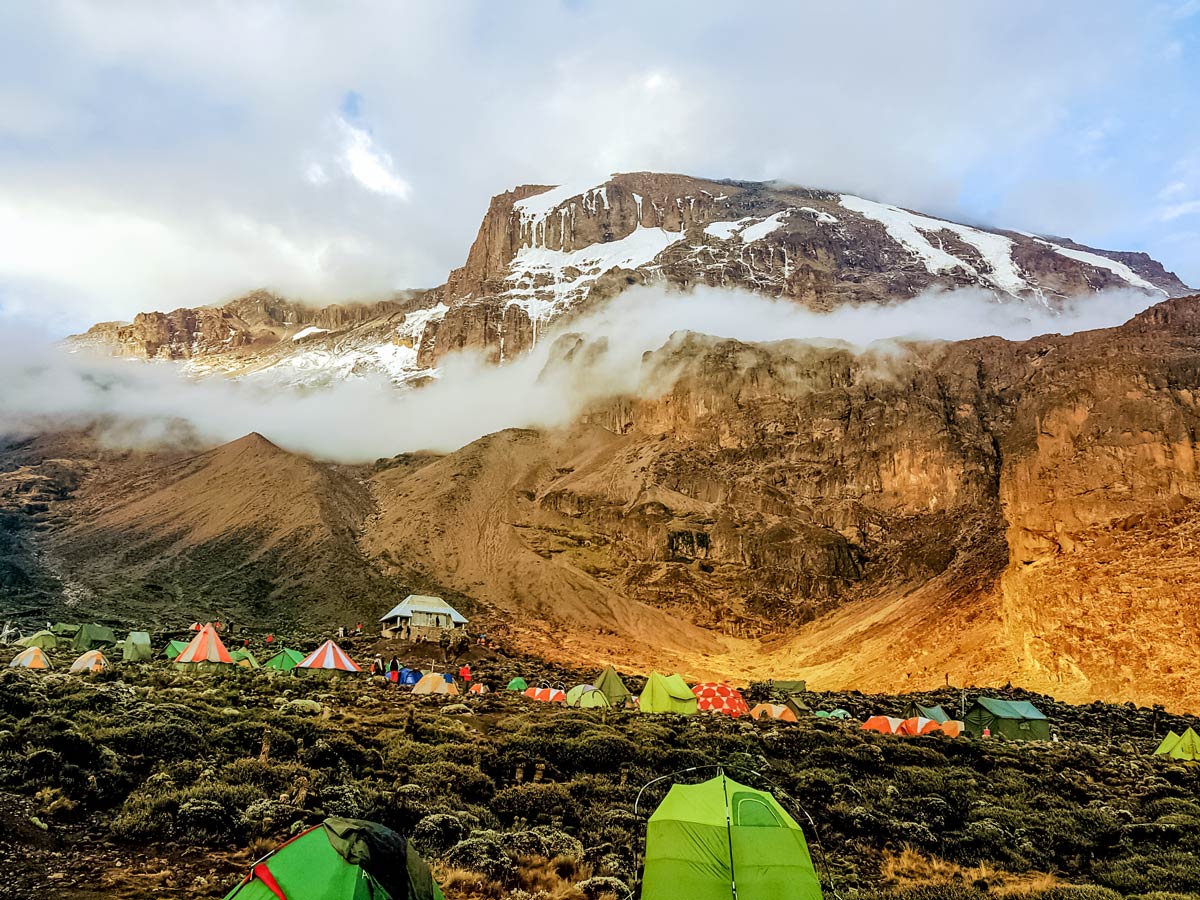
(331,657)
(205,647)
(719,697)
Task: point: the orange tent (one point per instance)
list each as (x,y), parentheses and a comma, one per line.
(779,711)
(713,696)
(92,661)
(953,727)
(883,724)
(204,649)
(329,657)
(32,658)
(917,725)
(478,688)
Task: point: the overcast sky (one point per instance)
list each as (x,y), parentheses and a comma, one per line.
(161,154)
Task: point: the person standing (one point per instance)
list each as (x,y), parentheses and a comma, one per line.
(465,673)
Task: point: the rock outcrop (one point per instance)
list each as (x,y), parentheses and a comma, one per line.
(545,253)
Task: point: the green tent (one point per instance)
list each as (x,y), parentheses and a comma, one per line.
(284,661)
(518,684)
(1018,720)
(93,637)
(667,694)
(916,710)
(1184,746)
(245,658)
(586,696)
(64,629)
(613,687)
(174,649)
(340,859)
(43,640)
(789,686)
(706,838)
(137,647)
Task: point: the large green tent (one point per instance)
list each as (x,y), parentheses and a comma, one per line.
(1018,720)
(174,649)
(1184,746)
(43,640)
(340,859)
(706,838)
(64,629)
(613,687)
(137,647)
(518,684)
(285,660)
(667,694)
(916,710)
(93,637)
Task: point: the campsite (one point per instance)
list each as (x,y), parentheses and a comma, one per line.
(568,785)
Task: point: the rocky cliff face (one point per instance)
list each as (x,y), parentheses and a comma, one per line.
(544,253)
(985,509)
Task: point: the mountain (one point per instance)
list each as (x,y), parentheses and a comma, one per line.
(984,509)
(546,252)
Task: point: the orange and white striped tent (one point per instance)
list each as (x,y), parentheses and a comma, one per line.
(205,648)
(717,696)
(780,711)
(31,658)
(545,694)
(329,657)
(92,661)
(883,724)
(918,725)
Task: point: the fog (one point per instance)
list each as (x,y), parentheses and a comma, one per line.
(139,404)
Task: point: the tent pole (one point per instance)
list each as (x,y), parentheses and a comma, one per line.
(729,835)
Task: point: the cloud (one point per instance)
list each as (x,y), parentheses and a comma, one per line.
(369,165)
(359,420)
(366,139)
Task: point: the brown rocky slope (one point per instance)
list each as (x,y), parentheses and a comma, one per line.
(987,510)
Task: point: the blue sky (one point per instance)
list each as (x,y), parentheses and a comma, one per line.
(154,155)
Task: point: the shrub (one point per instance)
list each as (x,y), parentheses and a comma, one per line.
(438,833)
(484,855)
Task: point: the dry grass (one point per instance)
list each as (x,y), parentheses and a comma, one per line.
(910,867)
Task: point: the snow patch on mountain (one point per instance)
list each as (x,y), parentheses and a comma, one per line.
(910,231)
(1101,262)
(308,332)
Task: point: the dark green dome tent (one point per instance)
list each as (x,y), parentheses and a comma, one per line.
(93,637)
(1018,720)
(340,859)
(915,710)
(720,840)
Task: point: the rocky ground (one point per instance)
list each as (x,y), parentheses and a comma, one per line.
(146,782)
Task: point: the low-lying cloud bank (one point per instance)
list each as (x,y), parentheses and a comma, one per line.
(139,404)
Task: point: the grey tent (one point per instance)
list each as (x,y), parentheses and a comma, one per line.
(1018,720)
(137,647)
(93,637)
(916,710)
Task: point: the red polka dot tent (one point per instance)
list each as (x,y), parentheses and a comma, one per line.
(330,657)
(713,696)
